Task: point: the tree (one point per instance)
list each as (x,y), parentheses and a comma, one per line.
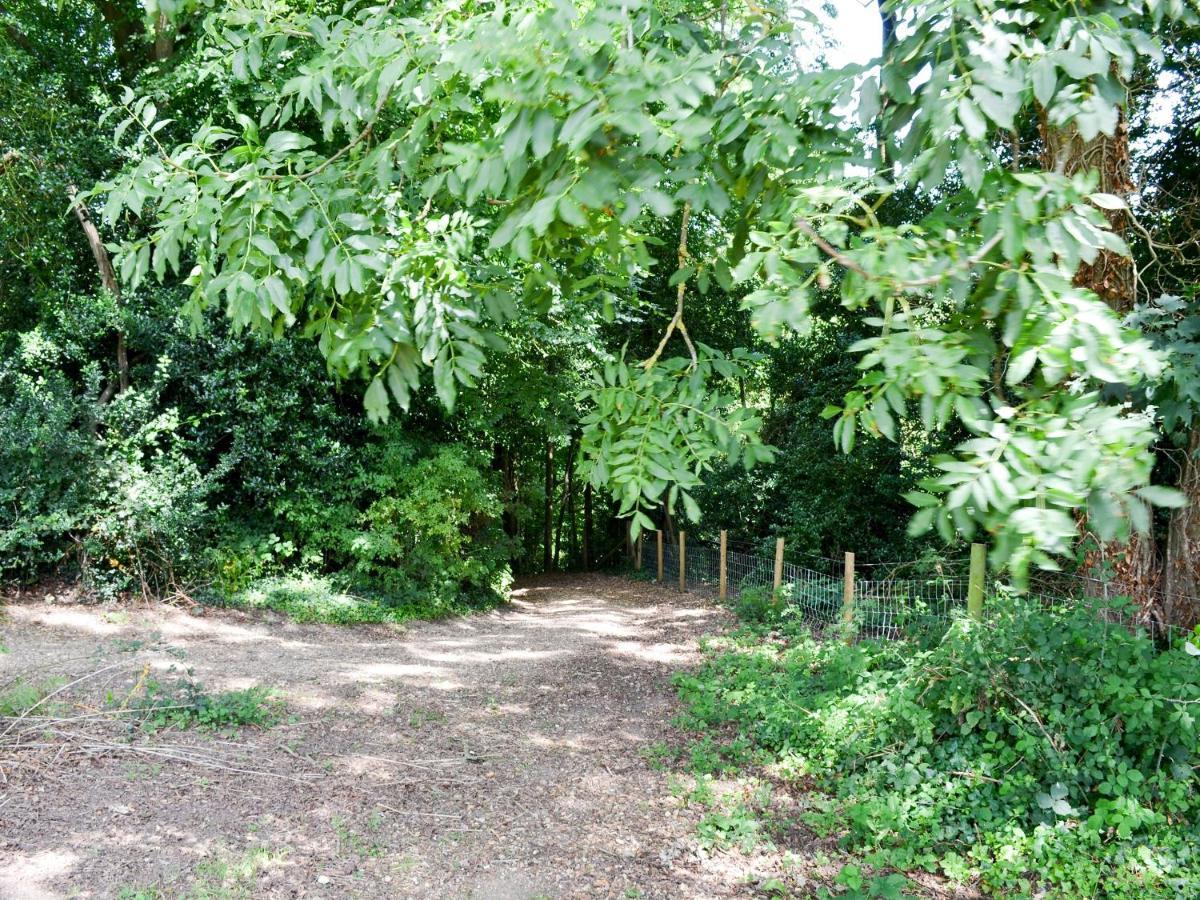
(404,182)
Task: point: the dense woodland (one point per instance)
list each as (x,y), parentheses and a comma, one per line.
(362,311)
(188,356)
(155,445)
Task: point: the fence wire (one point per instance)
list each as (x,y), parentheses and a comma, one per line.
(890,600)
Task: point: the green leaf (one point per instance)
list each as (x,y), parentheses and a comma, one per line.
(1108,201)
(375,401)
(973,123)
(286,141)
(544,127)
(690,506)
(1160,495)
(921,500)
(1044,78)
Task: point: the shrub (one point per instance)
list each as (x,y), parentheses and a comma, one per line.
(46,458)
(149,516)
(1046,748)
(185,704)
(114,487)
(416,525)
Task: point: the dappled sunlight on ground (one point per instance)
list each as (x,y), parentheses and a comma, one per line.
(659,653)
(447,759)
(29,875)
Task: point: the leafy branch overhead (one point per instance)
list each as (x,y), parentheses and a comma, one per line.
(400,185)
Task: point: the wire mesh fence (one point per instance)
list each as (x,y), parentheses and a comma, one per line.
(884,600)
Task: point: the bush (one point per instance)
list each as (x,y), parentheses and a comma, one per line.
(756,606)
(46,457)
(1047,748)
(112,486)
(417,525)
(150,516)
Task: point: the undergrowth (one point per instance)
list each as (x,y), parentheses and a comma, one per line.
(1044,753)
(183,703)
(20,696)
(317,598)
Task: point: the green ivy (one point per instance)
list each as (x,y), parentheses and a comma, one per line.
(1046,750)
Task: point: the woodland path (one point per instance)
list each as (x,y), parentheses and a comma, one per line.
(501,755)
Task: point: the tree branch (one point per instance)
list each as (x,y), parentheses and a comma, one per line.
(677,319)
(108,278)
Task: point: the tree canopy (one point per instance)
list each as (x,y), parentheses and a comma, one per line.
(398,182)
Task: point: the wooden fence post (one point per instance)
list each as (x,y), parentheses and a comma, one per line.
(682,561)
(975,583)
(637,551)
(848,594)
(724,581)
(660,556)
(778,569)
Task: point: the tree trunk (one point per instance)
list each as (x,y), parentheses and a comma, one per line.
(587,526)
(164,38)
(564,502)
(1131,568)
(1111,276)
(1181,572)
(548,531)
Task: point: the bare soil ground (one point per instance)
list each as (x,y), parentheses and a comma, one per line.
(502,755)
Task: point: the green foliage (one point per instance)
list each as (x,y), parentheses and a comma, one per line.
(655,429)
(470,211)
(404,216)
(155,706)
(151,511)
(756,605)
(855,885)
(114,486)
(416,523)
(315,598)
(738,827)
(43,451)
(420,534)
(20,696)
(1046,750)
(820,501)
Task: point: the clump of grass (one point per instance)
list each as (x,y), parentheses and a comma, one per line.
(21,696)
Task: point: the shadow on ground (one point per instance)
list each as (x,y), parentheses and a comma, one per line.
(492,756)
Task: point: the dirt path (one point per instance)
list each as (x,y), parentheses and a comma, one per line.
(501,755)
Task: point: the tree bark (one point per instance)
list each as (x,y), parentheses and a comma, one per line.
(1181,571)
(108,278)
(587,526)
(164,38)
(1112,276)
(548,531)
(1131,568)
(564,503)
